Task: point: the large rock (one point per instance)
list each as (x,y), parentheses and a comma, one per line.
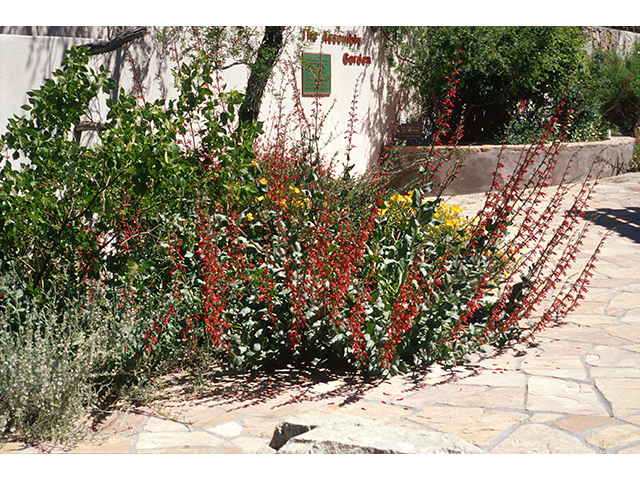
(358,436)
(299,424)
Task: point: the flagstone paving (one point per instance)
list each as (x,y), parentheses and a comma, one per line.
(575,390)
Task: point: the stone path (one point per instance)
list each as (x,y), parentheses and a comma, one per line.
(577,390)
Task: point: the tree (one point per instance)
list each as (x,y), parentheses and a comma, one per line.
(228,47)
(261,69)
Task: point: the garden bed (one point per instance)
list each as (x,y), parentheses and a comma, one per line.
(613,156)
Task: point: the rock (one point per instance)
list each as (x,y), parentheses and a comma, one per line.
(358,436)
(266,451)
(298,425)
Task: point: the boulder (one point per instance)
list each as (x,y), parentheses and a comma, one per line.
(360,436)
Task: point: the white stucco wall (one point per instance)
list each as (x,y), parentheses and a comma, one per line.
(28,55)
(371,84)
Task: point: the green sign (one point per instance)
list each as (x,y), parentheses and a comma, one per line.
(316,74)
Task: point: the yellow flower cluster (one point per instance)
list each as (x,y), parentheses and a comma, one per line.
(399,206)
(450,215)
(297,199)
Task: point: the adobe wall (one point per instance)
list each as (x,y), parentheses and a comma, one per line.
(476,176)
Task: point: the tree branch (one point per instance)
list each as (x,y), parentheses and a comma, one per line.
(104,46)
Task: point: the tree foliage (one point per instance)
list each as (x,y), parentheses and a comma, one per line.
(510,78)
(619,88)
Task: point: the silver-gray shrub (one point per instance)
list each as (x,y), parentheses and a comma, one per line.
(46,360)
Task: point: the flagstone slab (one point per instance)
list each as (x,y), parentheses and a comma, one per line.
(632,348)
(260,426)
(496,378)
(544,417)
(183,450)
(479,426)
(622,372)
(110,445)
(614,271)
(21,447)
(251,445)
(601,338)
(119,422)
(626,300)
(622,284)
(627,332)
(623,260)
(631,319)
(622,393)
(582,423)
(634,418)
(565,330)
(368,410)
(635,450)
(407,424)
(540,439)
(608,356)
(229,448)
(558,395)
(615,436)
(288,403)
(16,447)
(215,418)
(184,410)
(506,361)
(12,447)
(555,366)
(437,373)
(150,441)
(228,430)
(437,394)
(337,437)
(631,286)
(328,387)
(155,424)
(601,294)
(564,347)
(397,387)
(512,398)
(591,308)
(594,321)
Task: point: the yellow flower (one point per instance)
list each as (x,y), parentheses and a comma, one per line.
(397,198)
(306,202)
(250,217)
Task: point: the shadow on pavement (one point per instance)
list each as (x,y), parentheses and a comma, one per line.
(294,384)
(624,221)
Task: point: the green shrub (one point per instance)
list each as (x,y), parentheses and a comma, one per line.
(510,79)
(619,89)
